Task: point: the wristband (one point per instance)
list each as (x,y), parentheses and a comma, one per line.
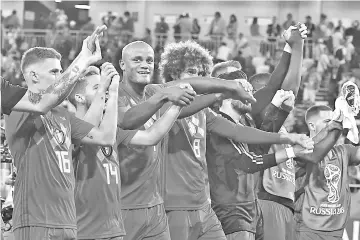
(287,48)
(290,152)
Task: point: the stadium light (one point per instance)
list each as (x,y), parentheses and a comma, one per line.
(58,1)
(87,7)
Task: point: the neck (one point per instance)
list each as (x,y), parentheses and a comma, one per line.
(81,111)
(137,88)
(231,112)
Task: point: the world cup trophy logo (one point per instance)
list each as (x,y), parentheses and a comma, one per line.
(332,175)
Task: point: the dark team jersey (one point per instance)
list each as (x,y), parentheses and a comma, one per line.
(326,202)
(45,182)
(10,95)
(186,185)
(139,165)
(97,190)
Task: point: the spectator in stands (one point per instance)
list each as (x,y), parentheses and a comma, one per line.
(289,21)
(195,29)
(177,29)
(116,27)
(310,26)
(242,45)
(147,37)
(273,29)
(88,26)
(128,26)
(355,32)
(350,51)
(321,29)
(161,31)
(185,27)
(12,21)
(217,27)
(254,28)
(337,38)
(240,59)
(63,44)
(232,27)
(341,27)
(223,53)
(107,19)
(311,85)
(62,19)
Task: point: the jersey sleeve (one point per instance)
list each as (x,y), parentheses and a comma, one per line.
(79,128)
(10,96)
(151,89)
(124,136)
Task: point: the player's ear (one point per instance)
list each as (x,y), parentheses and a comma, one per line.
(79,98)
(33,77)
(122,65)
(311,126)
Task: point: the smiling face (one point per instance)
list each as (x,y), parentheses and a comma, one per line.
(138,63)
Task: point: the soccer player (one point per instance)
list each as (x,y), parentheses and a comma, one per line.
(97,170)
(44,206)
(326,198)
(21,99)
(140,167)
(271,118)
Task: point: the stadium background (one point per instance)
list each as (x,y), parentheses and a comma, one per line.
(64,24)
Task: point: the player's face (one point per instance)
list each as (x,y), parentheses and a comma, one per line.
(192,71)
(93,82)
(46,72)
(138,64)
(322,120)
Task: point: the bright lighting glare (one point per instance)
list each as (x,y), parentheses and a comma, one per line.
(82,7)
(58,1)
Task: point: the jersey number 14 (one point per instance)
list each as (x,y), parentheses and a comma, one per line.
(111,171)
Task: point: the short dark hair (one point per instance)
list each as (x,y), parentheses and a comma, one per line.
(127,14)
(221,66)
(80,87)
(315,110)
(37,54)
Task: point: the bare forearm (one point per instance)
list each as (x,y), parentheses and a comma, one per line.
(322,148)
(58,91)
(205,85)
(95,112)
(108,124)
(266,94)
(138,115)
(293,76)
(163,125)
(200,103)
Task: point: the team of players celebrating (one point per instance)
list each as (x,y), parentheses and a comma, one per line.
(203,156)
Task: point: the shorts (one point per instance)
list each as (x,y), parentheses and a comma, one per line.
(242,235)
(277,216)
(195,224)
(44,233)
(315,236)
(146,223)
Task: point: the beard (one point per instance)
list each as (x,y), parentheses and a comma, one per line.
(241,107)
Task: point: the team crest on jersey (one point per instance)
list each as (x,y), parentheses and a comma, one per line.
(332,175)
(290,163)
(59,136)
(107,151)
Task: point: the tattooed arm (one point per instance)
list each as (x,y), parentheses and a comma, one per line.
(42,101)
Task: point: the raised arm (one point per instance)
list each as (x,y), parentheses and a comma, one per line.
(41,102)
(95,112)
(332,133)
(105,134)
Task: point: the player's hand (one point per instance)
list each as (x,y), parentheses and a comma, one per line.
(293,34)
(241,90)
(334,125)
(299,139)
(279,98)
(91,48)
(289,101)
(108,72)
(300,151)
(181,95)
